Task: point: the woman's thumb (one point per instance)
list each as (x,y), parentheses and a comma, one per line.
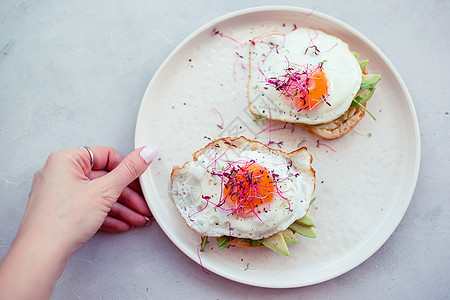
(130,168)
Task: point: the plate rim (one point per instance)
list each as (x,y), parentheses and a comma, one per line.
(412,115)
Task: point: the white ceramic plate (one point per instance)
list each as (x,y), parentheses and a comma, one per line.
(365,181)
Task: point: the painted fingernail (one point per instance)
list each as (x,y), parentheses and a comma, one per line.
(148,221)
(149,153)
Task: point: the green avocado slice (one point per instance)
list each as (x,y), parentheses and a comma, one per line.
(277,243)
(303,230)
(369,81)
(289,237)
(362,97)
(305,221)
(363,64)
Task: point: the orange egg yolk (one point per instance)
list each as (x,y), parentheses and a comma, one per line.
(249,190)
(311,91)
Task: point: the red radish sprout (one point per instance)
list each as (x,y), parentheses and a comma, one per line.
(250,182)
(322,144)
(304,19)
(221,118)
(234,68)
(217,32)
(273,46)
(276,129)
(330,48)
(311,39)
(295,83)
(215,160)
(207,202)
(280,144)
(199,258)
(270,123)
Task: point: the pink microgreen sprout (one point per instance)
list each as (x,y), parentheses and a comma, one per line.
(325,51)
(199,258)
(272,45)
(307,16)
(295,84)
(207,202)
(217,32)
(279,144)
(322,144)
(248,182)
(221,118)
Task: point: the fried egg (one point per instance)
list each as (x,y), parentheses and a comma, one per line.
(304,76)
(241,188)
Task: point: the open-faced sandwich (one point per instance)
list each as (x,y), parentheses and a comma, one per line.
(310,78)
(246,194)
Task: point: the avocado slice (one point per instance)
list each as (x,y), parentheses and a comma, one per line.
(369,81)
(303,230)
(305,221)
(362,97)
(277,243)
(363,64)
(289,237)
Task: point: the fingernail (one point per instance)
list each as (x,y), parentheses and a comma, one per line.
(149,153)
(148,221)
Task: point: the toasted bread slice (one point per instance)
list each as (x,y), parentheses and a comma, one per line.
(339,127)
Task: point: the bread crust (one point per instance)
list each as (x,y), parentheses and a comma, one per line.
(339,127)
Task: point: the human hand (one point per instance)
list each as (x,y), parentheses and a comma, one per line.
(69,202)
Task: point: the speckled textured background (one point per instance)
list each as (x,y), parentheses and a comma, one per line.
(75,74)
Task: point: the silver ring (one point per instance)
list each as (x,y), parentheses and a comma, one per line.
(91,154)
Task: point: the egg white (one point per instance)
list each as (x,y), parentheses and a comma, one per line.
(271,54)
(194,181)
